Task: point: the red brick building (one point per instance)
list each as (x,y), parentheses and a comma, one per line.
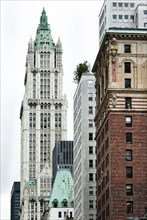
(120,70)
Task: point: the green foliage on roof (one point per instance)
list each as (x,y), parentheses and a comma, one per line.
(80,69)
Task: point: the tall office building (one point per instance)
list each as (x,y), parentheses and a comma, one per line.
(62,157)
(122,14)
(121,124)
(43,119)
(15,201)
(84,149)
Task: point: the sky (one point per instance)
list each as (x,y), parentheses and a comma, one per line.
(76,23)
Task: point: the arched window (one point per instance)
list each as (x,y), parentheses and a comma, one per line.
(55,203)
(64,203)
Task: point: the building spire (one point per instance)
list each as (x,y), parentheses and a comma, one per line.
(43,35)
(43,21)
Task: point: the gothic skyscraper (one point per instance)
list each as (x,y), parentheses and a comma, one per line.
(43,119)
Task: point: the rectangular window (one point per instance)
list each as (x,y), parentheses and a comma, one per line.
(91,190)
(90,96)
(90,176)
(90,123)
(127,83)
(128,121)
(59,214)
(126,5)
(90,163)
(120,4)
(114,4)
(132,18)
(127,67)
(114,17)
(129,189)
(120,17)
(129,155)
(145,12)
(90,136)
(128,103)
(128,138)
(90,149)
(126,17)
(132,5)
(90,110)
(145,25)
(127,48)
(129,172)
(129,207)
(91,204)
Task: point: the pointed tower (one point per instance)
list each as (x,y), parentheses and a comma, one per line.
(43,119)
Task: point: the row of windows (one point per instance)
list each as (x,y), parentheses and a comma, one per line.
(123,17)
(121,4)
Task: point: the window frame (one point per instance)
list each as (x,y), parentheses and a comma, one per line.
(129,207)
(128,103)
(127,83)
(127,67)
(129,137)
(128,123)
(127,48)
(129,189)
(129,155)
(129,172)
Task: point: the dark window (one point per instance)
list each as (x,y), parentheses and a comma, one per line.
(120,17)
(91,204)
(132,18)
(129,207)
(128,121)
(127,48)
(114,16)
(128,138)
(90,149)
(129,189)
(126,17)
(127,67)
(129,155)
(132,5)
(127,83)
(129,172)
(90,163)
(90,136)
(120,4)
(59,214)
(145,12)
(114,4)
(126,5)
(90,176)
(90,110)
(128,103)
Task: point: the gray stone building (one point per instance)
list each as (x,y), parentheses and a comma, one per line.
(43,119)
(84,149)
(122,14)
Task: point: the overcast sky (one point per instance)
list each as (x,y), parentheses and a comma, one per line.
(76,22)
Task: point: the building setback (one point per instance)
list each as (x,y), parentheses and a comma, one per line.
(15,201)
(43,119)
(122,14)
(120,70)
(62,157)
(84,149)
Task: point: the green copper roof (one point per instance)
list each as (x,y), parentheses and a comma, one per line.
(43,35)
(62,189)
